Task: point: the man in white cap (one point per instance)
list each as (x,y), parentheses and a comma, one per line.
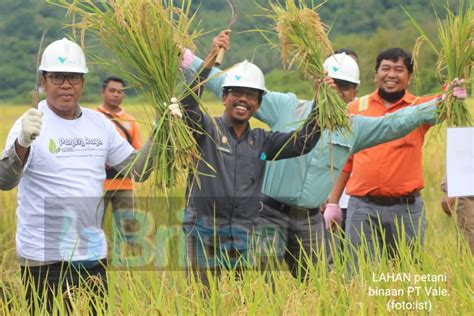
(293,189)
(224,201)
(57,154)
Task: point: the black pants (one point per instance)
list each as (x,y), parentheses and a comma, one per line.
(43,283)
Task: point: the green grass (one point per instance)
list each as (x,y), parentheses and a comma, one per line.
(329,293)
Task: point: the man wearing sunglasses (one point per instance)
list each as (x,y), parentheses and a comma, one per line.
(293,189)
(57,155)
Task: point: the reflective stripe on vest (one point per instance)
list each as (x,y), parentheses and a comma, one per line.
(363,103)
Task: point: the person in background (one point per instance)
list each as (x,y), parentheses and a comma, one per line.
(335,242)
(343,201)
(119,189)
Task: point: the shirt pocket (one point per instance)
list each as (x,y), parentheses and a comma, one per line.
(250,167)
(331,155)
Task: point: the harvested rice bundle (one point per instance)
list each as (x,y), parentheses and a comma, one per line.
(455,58)
(144,38)
(303,42)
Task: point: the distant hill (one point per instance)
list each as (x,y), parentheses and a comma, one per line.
(366,26)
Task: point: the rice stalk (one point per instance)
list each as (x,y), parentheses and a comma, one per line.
(455,58)
(145,38)
(304,43)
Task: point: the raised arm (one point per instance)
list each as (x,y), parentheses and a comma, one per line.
(371,131)
(274,104)
(140,164)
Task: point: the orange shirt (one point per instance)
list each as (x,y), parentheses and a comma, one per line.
(131,125)
(389,169)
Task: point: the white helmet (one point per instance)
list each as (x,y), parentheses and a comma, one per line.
(246,75)
(343,67)
(63,56)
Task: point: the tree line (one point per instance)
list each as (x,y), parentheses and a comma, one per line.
(367,27)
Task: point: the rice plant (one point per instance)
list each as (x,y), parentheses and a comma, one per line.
(455,58)
(303,42)
(273,292)
(145,38)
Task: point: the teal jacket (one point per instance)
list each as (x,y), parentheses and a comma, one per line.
(306,181)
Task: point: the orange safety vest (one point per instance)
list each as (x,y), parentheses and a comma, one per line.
(128,128)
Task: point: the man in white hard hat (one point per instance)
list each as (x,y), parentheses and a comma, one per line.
(224,201)
(57,154)
(295,188)
(343,69)
(345,73)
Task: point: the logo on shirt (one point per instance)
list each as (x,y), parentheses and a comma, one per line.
(74,144)
(53,148)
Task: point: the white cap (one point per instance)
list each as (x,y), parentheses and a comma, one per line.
(63,56)
(246,75)
(343,67)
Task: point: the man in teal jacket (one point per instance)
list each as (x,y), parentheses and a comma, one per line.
(293,189)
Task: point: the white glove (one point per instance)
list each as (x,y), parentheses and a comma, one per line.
(30,127)
(174,108)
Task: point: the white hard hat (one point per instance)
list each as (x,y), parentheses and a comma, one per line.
(63,56)
(246,75)
(343,67)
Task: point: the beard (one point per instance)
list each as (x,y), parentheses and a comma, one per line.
(391,97)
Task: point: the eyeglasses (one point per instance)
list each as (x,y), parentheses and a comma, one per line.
(251,94)
(58,78)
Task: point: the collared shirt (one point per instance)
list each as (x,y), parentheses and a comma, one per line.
(390,169)
(130,124)
(226,195)
(307,181)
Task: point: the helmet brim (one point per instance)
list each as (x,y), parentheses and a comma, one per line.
(63,69)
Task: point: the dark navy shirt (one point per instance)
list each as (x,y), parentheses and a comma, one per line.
(224,198)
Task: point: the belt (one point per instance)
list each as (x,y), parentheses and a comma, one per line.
(285,208)
(111,173)
(392,200)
